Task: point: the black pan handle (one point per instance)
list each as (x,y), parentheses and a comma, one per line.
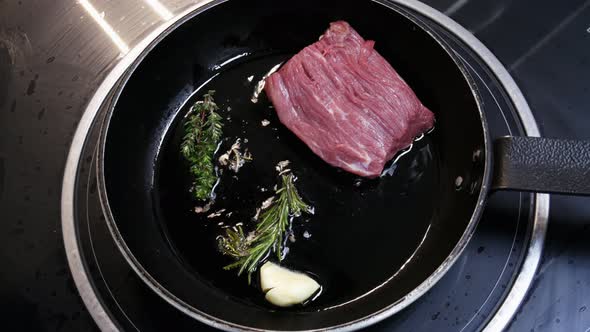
(542,165)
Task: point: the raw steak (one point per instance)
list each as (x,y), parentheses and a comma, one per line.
(348,104)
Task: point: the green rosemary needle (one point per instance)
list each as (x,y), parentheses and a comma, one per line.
(202,133)
(249,250)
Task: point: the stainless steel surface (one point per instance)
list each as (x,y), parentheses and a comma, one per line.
(128,57)
(123,39)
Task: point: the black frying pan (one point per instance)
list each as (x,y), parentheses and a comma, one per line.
(375,245)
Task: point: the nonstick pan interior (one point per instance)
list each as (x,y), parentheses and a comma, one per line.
(372,242)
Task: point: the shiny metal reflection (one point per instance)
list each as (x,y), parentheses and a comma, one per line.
(160,9)
(105,26)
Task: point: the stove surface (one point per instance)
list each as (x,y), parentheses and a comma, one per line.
(51,64)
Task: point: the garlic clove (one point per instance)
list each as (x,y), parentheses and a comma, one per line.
(284,287)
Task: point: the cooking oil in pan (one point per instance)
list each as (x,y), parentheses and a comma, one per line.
(362,231)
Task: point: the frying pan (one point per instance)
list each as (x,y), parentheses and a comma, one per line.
(375,245)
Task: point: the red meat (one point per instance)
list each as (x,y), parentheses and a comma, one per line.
(347,103)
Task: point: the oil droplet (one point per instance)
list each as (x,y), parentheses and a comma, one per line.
(477,155)
(458,182)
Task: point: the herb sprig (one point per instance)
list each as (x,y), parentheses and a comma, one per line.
(203,130)
(249,250)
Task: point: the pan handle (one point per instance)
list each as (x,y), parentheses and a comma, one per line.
(542,165)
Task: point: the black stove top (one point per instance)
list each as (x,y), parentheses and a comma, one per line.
(51,65)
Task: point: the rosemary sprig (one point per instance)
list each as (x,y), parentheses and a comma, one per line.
(249,250)
(202,133)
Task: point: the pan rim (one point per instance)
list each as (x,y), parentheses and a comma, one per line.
(154,38)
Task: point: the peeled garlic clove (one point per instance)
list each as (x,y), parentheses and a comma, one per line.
(284,287)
